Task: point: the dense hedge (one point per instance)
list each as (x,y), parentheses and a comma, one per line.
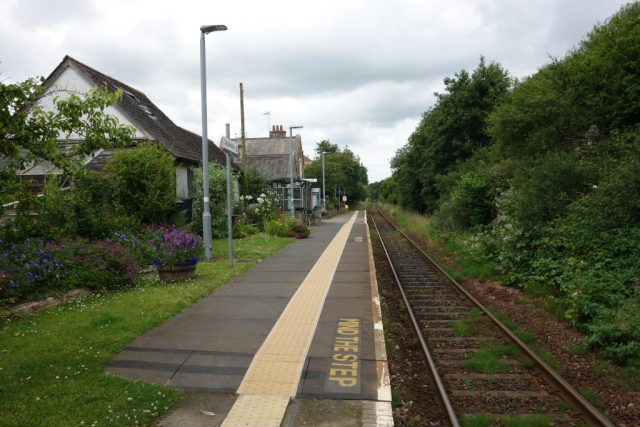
(143,183)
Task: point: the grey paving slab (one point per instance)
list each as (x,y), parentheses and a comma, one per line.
(339,307)
(275,276)
(350,289)
(212,372)
(302,265)
(352,276)
(188,413)
(299,253)
(353,266)
(239,307)
(223,335)
(152,366)
(324,413)
(258,289)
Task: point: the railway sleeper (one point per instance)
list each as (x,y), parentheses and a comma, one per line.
(434,309)
(444,298)
(516,382)
(498,401)
(554,416)
(450,305)
(431,294)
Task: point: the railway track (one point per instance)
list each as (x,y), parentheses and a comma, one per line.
(479,366)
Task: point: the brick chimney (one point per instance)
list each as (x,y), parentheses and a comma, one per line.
(277,132)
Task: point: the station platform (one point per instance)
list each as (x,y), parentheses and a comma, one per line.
(301,325)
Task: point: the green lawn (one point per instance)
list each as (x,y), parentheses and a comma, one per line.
(256,246)
(51,363)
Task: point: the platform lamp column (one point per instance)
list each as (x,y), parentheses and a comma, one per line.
(206,214)
(229,207)
(291,128)
(324,191)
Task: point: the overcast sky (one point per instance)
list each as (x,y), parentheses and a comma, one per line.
(359,73)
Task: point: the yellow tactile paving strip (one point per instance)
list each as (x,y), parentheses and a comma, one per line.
(272,379)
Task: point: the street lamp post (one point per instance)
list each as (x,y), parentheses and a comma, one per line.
(291,128)
(206,214)
(324,192)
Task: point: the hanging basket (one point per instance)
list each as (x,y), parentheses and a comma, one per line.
(176,273)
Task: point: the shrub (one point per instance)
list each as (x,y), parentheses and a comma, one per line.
(83,211)
(143,183)
(542,191)
(275,228)
(257,210)
(217,200)
(470,203)
(287,227)
(241,231)
(298,230)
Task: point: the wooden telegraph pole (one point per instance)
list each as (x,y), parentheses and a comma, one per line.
(244,150)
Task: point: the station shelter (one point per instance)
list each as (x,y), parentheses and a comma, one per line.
(302,192)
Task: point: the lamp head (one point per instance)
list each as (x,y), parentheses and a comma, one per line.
(206,29)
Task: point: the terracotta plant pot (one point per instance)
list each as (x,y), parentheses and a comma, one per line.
(176,273)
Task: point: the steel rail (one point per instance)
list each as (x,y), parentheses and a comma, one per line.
(444,397)
(589,413)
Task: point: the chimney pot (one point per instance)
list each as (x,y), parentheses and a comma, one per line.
(277,132)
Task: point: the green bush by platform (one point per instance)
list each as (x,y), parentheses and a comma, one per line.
(143,183)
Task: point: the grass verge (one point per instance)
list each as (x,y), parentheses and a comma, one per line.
(51,363)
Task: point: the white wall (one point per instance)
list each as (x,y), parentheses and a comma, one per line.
(182,189)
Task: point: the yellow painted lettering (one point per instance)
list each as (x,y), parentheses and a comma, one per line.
(344,358)
(343,372)
(353,365)
(345,382)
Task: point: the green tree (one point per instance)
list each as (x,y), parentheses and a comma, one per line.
(471,202)
(595,88)
(256,181)
(343,170)
(143,183)
(374,191)
(325,146)
(448,133)
(28,133)
(389,191)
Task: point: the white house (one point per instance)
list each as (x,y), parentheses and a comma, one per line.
(136,110)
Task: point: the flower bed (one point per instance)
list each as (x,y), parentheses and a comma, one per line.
(36,268)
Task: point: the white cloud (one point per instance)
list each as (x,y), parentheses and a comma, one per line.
(359,73)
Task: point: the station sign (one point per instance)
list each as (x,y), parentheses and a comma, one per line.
(229,146)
